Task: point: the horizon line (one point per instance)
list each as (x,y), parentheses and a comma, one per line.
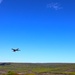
(38,62)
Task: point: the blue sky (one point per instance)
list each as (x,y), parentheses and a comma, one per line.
(44,30)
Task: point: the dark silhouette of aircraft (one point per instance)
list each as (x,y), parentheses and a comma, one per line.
(14,50)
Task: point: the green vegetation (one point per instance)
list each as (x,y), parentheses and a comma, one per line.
(11,73)
(38,68)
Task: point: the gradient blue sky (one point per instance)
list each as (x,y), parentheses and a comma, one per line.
(44,30)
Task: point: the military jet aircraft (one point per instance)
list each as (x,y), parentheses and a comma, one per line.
(14,50)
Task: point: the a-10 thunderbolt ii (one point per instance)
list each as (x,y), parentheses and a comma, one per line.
(14,50)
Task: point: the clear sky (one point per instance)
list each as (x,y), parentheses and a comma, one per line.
(44,30)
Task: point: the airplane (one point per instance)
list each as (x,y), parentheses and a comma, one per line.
(14,50)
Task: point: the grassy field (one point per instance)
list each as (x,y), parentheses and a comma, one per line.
(37,69)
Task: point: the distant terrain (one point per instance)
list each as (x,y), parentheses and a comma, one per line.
(37,68)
